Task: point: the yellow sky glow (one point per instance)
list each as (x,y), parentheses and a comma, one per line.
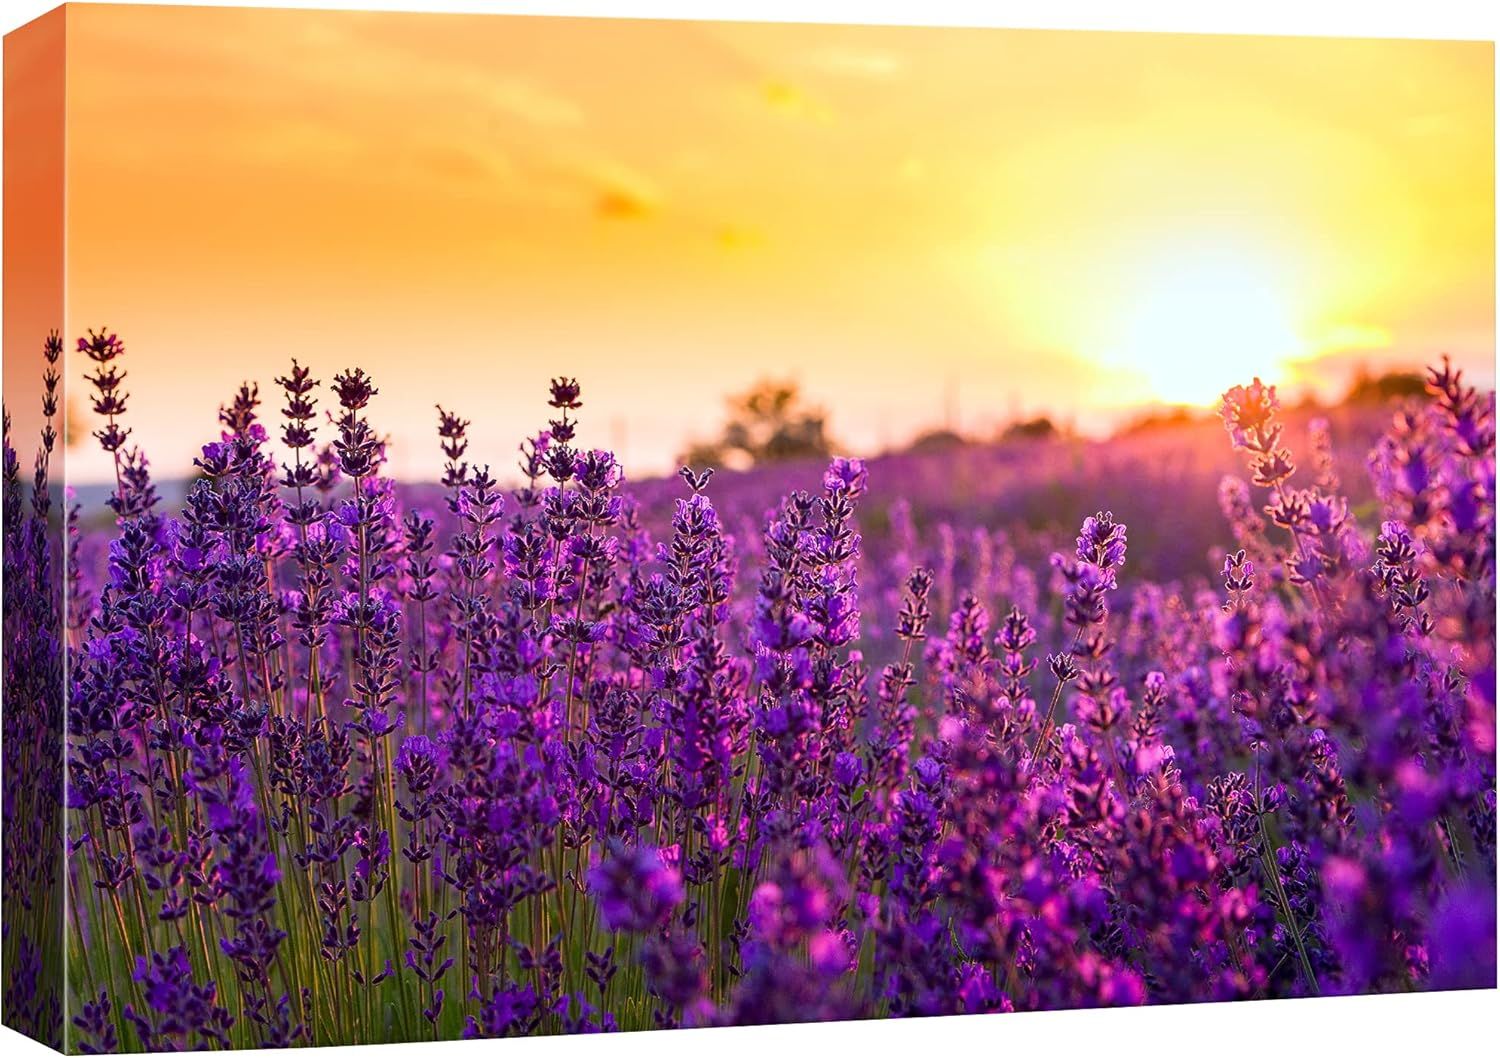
(1071,223)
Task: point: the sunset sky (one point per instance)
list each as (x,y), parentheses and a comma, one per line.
(912,223)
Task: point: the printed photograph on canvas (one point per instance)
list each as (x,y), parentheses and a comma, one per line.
(523,526)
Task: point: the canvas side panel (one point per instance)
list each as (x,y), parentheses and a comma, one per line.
(33,891)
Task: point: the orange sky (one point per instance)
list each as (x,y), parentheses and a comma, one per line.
(33,272)
(464,205)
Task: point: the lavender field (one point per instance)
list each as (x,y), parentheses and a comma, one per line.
(1015,728)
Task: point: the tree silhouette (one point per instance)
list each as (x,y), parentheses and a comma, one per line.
(768,423)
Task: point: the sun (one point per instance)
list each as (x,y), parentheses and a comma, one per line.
(1199,321)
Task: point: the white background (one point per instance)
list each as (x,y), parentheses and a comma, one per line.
(1451,1025)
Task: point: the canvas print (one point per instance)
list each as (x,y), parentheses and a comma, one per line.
(520,526)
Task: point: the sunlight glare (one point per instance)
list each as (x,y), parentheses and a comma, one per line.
(1203,321)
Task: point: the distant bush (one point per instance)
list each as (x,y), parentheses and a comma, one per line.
(1038,429)
(1381,388)
(769,423)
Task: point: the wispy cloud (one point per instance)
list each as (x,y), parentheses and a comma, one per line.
(527,100)
(618,203)
(846,61)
